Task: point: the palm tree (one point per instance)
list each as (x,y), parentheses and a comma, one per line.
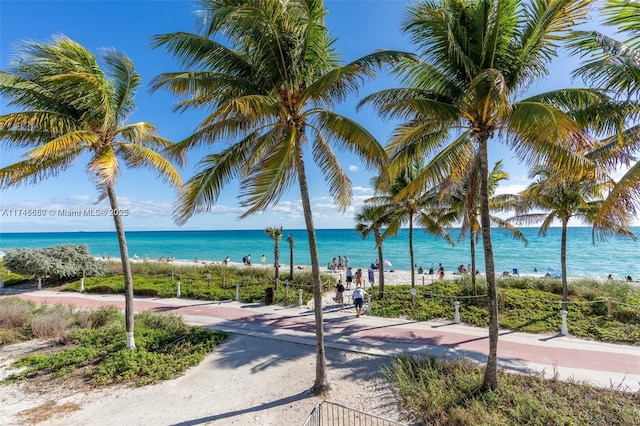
(271,95)
(410,208)
(70,106)
(291,244)
(371,219)
(615,66)
(477,57)
(460,203)
(554,197)
(276,236)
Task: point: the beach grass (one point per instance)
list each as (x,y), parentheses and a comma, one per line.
(447,392)
(203,282)
(604,311)
(91,345)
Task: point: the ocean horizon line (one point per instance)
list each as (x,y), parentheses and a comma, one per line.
(254,229)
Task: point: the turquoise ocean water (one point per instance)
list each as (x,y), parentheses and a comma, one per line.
(618,256)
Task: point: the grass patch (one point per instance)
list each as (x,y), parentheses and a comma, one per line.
(208,282)
(95,345)
(440,392)
(604,311)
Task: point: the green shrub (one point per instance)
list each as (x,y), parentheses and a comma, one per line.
(436,391)
(60,262)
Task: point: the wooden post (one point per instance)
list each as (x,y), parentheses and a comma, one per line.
(609,307)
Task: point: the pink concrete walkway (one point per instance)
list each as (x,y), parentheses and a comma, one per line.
(601,364)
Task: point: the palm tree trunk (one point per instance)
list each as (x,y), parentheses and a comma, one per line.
(411,257)
(276,262)
(126,268)
(490,381)
(321,385)
(380,262)
(563,264)
(472,238)
(290,241)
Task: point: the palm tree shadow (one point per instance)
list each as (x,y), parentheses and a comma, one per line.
(282,401)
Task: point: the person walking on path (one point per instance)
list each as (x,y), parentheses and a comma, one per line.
(339,299)
(359,277)
(349,275)
(358,299)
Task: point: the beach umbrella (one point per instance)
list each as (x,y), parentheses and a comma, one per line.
(387,263)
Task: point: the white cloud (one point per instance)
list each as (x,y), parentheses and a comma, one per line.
(354,168)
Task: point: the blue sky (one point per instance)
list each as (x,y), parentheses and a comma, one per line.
(359,26)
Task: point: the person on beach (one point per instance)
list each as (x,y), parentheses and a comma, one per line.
(334,264)
(346,262)
(349,275)
(339,294)
(371,277)
(420,270)
(358,277)
(358,299)
(263,260)
(340,263)
(226,261)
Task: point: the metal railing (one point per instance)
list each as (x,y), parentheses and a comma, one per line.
(327,413)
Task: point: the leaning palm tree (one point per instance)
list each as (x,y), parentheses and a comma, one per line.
(554,197)
(371,219)
(477,57)
(276,236)
(615,66)
(69,106)
(270,93)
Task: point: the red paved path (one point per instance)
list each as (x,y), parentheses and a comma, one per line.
(599,363)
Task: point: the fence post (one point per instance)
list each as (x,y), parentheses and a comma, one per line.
(1,281)
(299,297)
(178,292)
(39,283)
(456,318)
(609,307)
(237,292)
(564,330)
(82,285)
(502,301)
(368,304)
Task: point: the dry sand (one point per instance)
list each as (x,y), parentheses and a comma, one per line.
(245,381)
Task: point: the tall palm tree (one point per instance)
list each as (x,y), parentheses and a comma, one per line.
(270,92)
(554,197)
(70,105)
(291,245)
(276,236)
(461,203)
(478,56)
(416,208)
(371,219)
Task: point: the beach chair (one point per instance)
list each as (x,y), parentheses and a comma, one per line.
(516,272)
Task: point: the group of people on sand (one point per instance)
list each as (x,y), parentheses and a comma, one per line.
(358,295)
(339,264)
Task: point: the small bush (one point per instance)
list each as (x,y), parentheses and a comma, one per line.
(15,312)
(54,323)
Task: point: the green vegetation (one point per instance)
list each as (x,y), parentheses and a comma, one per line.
(440,392)
(60,262)
(208,282)
(606,311)
(93,344)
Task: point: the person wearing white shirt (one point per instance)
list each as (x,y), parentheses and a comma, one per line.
(358,299)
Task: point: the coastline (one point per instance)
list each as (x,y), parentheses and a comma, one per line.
(391,276)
